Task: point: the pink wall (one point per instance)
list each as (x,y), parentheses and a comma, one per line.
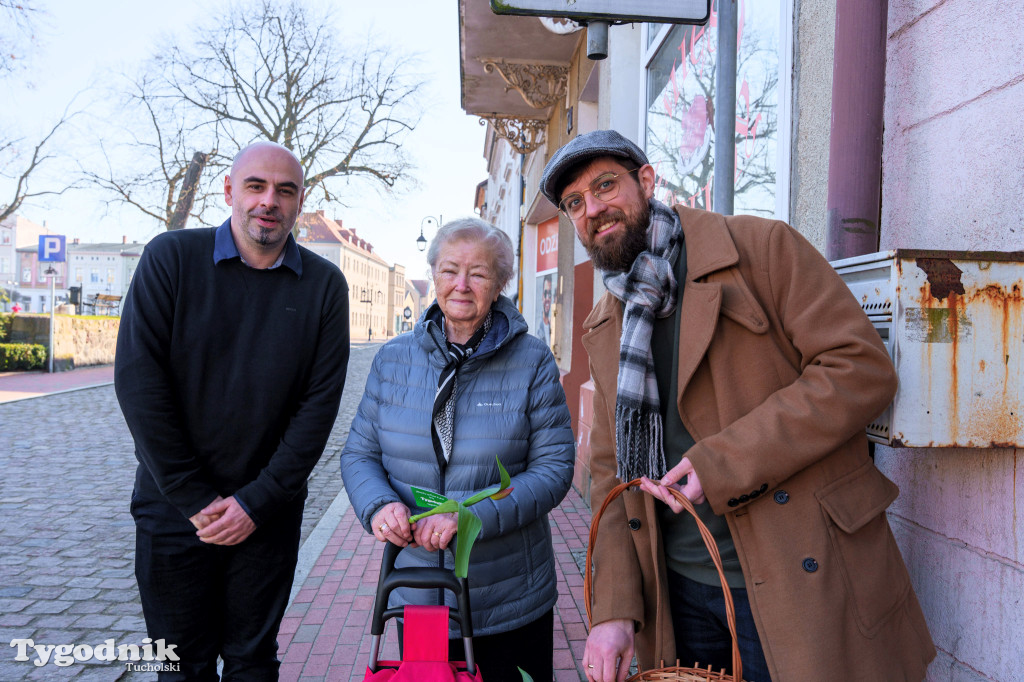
(953,178)
(953,159)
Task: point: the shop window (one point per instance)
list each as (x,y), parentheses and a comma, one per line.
(679,106)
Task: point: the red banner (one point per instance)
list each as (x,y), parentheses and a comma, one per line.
(547,246)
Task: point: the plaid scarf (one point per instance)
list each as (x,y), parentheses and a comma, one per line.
(649,290)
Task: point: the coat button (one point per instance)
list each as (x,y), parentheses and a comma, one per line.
(734,502)
(781,497)
(810,565)
(634,524)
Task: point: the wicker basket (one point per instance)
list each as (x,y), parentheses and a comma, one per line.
(676,673)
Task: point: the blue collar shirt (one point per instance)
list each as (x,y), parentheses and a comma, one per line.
(224,248)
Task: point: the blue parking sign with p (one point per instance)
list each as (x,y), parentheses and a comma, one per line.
(51,248)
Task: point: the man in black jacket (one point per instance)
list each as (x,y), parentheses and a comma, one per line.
(231,359)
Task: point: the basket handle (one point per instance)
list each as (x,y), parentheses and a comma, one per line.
(709,542)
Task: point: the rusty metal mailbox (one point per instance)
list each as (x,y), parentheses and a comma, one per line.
(953,323)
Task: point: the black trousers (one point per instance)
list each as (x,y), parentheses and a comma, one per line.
(530,647)
(212,600)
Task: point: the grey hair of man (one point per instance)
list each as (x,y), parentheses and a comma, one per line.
(497,243)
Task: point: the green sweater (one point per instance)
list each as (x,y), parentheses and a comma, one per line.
(685,552)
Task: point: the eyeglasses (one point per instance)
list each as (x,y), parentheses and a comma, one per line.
(604,188)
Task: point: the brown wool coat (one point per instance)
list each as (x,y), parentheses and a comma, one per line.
(779,372)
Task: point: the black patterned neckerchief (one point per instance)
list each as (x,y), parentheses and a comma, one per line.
(442,423)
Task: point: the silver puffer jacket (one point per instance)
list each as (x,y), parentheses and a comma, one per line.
(509,403)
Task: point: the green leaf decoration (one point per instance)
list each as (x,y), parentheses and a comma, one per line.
(446,507)
(482,495)
(526,675)
(506,480)
(470,526)
(494,491)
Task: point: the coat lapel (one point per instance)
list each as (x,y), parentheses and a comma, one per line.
(711,257)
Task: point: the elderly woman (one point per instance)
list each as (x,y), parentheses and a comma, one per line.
(469,383)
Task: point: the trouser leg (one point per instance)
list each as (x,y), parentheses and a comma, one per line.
(702,630)
(179,583)
(258,580)
(529,647)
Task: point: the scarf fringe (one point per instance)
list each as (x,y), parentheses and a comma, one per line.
(639,444)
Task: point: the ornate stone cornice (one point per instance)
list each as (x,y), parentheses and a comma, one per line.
(524,134)
(541,85)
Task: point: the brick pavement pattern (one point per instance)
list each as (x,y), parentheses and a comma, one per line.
(325,634)
(67,542)
(67,539)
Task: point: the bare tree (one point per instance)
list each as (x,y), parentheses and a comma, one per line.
(18,19)
(269,71)
(162,136)
(689,177)
(18,164)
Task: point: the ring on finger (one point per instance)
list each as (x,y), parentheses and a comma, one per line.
(384,528)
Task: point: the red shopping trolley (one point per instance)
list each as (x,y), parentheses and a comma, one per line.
(425,636)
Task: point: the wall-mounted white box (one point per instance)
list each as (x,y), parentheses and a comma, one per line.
(953,322)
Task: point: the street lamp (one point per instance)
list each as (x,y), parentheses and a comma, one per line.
(52,274)
(366,296)
(421,241)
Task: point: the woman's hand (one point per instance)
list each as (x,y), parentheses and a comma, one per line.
(434,532)
(391,524)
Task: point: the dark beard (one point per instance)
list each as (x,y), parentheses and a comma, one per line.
(259,234)
(263,238)
(619,257)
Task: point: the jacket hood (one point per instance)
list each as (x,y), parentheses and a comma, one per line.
(507,324)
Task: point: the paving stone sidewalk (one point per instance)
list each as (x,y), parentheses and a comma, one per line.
(67,540)
(67,545)
(325,634)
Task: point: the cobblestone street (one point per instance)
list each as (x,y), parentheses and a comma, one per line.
(66,535)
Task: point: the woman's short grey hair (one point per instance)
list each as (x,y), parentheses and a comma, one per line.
(494,240)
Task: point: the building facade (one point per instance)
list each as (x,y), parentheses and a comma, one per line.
(102,268)
(17,232)
(370,278)
(947,170)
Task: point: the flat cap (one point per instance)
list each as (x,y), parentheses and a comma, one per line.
(583,148)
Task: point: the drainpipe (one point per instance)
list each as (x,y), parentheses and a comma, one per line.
(855,143)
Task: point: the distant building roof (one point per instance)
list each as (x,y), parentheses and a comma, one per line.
(422,286)
(315,228)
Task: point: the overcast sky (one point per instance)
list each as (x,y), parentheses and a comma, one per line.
(79,44)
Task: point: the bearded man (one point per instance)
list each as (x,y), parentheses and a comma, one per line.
(731,363)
